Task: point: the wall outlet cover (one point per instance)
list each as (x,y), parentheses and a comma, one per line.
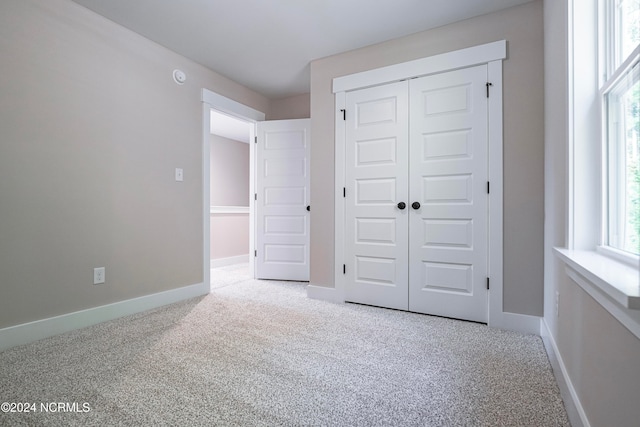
(99,275)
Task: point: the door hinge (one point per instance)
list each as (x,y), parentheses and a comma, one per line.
(487,283)
(255,253)
(344,268)
(255,139)
(344,114)
(344,191)
(488,188)
(488,84)
(255,196)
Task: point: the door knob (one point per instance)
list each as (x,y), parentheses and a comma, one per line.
(415,205)
(402,205)
(308,208)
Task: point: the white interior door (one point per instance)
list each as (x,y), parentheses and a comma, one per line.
(376,178)
(281,200)
(448,179)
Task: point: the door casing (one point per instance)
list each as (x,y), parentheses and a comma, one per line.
(212,100)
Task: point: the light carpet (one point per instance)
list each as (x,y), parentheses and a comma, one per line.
(260,353)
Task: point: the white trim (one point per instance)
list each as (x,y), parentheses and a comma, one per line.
(492,55)
(206,193)
(495,176)
(324,293)
(575,411)
(339,200)
(229,106)
(39,329)
(618,255)
(253,165)
(570,236)
(212,100)
(232,260)
(449,61)
(215,210)
(584,130)
(621,71)
(616,280)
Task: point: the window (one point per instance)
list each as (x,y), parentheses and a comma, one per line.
(602,211)
(620,92)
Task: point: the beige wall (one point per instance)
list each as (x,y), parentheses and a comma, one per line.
(600,355)
(229,187)
(229,235)
(229,172)
(293,107)
(522,27)
(92,127)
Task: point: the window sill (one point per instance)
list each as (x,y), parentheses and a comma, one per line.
(618,280)
(613,284)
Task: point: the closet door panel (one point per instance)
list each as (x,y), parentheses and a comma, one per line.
(448,175)
(376,238)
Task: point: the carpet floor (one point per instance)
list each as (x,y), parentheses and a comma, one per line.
(260,353)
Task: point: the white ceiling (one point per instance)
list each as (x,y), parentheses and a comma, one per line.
(267,45)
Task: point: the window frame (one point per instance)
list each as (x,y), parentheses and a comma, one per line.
(609,77)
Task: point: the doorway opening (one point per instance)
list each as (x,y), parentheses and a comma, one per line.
(221,115)
(275,210)
(230,172)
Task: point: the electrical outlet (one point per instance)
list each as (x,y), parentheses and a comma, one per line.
(179,175)
(98,275)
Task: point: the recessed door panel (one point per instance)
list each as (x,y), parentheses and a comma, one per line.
(375,191)
(447,278)
(447,145)
(284,196)
(450,233)
(381,231)
(376,152)
(277,139)
(448,100)
(285,225)
(292,168)
(376,271)
(287,254)
(376,111)
(447,189)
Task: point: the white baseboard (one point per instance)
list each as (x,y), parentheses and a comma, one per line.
(324,293)
(39,329)
(577,416)
(223,262)
(517,322)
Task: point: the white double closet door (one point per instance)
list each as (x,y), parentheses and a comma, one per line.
(416,195)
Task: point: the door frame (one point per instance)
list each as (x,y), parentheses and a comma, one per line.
(491,54)
(214,101)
